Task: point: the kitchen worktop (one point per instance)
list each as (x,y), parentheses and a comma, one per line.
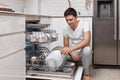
(15,13)
(11,13)
(28,16)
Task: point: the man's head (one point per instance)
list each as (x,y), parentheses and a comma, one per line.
(71,17)
(70,11)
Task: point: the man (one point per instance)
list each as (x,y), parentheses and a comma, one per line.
(76,40)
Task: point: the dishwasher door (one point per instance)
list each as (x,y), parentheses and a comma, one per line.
(77,75)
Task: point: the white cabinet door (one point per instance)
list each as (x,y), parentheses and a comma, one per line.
(11,24)
(11,43)
(12,67)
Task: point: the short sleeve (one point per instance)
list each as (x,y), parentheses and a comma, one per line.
(64,31)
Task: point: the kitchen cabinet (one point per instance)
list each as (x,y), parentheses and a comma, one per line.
(13,66)
(12,41)
(57,7)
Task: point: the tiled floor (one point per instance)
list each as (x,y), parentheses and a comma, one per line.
(105,74)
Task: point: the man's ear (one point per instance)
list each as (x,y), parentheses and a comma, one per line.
(76,16)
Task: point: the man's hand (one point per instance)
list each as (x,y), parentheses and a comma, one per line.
(66,50)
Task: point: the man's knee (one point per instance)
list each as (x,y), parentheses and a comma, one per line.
(87,50)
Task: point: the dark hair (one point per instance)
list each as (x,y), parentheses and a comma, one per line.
(70,11)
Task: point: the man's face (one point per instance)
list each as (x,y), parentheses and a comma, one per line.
(71,20)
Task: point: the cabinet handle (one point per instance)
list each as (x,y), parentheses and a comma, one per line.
(115,19)
(119,17)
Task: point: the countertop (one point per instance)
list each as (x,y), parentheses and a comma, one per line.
(27,16)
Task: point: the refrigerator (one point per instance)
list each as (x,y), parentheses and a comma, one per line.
(106,33)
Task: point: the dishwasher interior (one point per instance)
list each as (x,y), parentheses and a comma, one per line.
(38,35)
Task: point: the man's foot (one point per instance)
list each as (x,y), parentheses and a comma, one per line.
(86,77)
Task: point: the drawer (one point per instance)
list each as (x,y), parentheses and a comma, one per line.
(13,67)
(11,24)
(11,43)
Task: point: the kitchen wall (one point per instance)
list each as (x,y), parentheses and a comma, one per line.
(32,6)
(57,7)
(16,5)
(51,8)
(57,24)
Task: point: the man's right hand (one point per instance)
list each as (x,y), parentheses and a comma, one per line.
(65,50)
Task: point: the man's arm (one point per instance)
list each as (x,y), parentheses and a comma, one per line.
(84,43)
(66,48)
(66,41)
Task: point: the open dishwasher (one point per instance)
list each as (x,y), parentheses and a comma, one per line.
(40,63)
